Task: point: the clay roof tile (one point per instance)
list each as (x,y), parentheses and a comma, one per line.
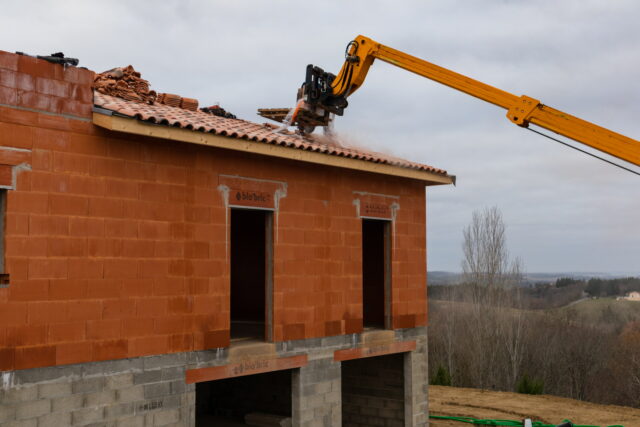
(237,128)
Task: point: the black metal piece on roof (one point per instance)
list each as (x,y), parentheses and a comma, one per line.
(56,58)
(216,110)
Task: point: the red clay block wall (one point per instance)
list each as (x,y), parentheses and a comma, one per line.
(116,246)
(37,84)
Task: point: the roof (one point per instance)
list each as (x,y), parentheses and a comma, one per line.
(240,129)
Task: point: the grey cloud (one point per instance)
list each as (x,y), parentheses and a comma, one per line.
(565,211)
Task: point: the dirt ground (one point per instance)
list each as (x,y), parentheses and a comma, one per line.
(468,402)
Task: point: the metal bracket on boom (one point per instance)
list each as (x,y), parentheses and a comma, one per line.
(521,111)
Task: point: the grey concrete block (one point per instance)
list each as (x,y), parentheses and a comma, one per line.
(148,419)
(88,385)
(110,367)
(55,420)
(67,403)
(87,416)
(190,398)
(333,397)
(147,377)
(149,405)
(152,391)
(207,357)
(49,390)
(164,361)
(132,422)
(119,410)
(306,415)
(174,401)
(102,398)
(32,422)
(320,412)
(166,417)
(369,411)
(7,413)
(313,401)
(388,413)
(33,409)
(118,381)
(393,404)
(173,373)
(130,394)
(19,394)
(37,375)
(177,387)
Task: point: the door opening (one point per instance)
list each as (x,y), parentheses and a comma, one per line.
(376,272)
(251,271)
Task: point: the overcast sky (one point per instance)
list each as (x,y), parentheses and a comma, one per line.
(564,210)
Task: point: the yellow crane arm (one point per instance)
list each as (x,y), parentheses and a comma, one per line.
(521,110)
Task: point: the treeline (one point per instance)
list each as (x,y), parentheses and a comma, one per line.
(485,338)
(556,294)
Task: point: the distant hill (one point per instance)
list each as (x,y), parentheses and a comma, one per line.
(601,311)
(437,277)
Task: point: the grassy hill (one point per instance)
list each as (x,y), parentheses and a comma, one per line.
(601,310)
(452,401)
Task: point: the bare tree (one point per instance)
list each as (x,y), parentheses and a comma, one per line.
(497,321)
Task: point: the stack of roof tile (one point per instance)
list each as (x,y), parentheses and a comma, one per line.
(177,101)
(126,83)
(170,99)
(190,104)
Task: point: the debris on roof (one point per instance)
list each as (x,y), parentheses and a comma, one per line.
(126,83)
(305,118)
(217,110)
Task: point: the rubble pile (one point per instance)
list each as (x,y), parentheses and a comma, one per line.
(126,83)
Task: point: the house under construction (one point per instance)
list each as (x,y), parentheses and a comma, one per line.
(169,265)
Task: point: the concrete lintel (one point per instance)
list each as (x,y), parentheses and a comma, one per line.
(247,367)
(373,350)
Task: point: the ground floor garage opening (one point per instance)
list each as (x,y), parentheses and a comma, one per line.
(262,399)
(373,391)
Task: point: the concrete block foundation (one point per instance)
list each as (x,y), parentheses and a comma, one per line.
(351,380)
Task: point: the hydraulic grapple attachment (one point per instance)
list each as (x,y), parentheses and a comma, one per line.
(315,103)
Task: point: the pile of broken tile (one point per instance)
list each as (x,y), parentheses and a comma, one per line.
(125,83)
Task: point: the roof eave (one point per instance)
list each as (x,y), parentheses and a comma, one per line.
(137,127)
